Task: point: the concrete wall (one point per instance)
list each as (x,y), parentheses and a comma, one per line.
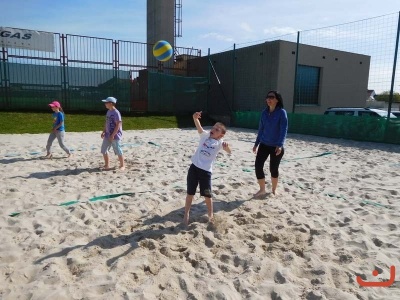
(256,73)
(343,76)
(247,74)
(245,77)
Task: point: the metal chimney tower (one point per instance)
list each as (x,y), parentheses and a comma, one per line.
(164,22)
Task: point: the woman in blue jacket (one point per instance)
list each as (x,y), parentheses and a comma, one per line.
(271,137)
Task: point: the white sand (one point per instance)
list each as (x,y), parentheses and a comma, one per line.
(301,244)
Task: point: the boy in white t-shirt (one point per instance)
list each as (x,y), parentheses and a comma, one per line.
(202,161)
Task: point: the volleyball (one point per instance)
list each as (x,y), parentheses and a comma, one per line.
(162,50)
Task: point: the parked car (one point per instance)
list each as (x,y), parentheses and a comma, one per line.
(358,112)
(396,113)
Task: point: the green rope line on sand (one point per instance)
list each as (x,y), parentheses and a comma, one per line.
(18,154)
(221,164)
(307,188)
(220,176)
(335,196)
(362,201)
(130,145)
(154,144)
(106,197)
(296,184)
(14,214)
(93,147)
(331,195)
(317,155)
(35,152)
(291,159)
(12,154)
(375,204)
(179,185)
(68,203)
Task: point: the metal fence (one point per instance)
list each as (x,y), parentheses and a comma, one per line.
(84,69)
(366,48)
(81,71)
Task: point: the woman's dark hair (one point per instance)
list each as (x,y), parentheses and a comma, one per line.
(278,97)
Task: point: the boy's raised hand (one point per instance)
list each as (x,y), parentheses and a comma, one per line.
(197,115)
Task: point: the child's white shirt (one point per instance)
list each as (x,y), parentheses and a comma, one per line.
(206,152)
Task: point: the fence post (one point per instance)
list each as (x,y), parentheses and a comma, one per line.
(116,68)
(386,133)
(394,67)
(208,80)
(64,66)
(4,60)
(233,76)
(295,72)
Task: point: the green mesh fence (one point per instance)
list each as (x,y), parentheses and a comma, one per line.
(246,119)
(369,129)
(177,94)
(83,70)
(34,86)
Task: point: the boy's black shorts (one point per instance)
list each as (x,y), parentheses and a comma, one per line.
(198,176)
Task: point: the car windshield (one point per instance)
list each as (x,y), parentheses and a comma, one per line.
(383,113)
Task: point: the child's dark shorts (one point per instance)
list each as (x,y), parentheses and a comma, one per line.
(198,176)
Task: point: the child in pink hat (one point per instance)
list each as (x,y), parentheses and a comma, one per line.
(58,130)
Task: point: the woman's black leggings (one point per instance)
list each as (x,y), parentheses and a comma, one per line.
(262,154)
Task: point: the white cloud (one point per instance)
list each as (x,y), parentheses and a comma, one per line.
(246,27)
(217,36)
(279,30)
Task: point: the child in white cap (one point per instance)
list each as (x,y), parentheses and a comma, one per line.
(112,134)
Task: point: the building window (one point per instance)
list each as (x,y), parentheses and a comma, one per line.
(307,85)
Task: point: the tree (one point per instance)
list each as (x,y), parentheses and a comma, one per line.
(384,96)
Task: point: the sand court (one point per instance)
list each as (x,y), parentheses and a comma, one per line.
(72,231)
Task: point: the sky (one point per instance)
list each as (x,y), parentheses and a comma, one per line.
(366,27)
(214,24)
